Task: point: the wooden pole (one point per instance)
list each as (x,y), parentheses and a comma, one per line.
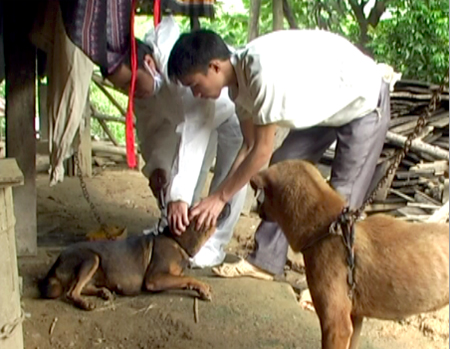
(277,14)
(20,60)
(253,21)
(10,311)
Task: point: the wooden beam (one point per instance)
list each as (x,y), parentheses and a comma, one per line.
(20,63)
(278,15)
(253,20)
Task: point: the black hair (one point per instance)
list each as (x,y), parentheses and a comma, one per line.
(142,49)
(194,51)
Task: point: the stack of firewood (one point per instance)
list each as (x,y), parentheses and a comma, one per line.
(420,185)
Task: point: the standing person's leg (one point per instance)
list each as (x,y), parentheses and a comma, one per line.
(229,142)
(269,255)
(358,148)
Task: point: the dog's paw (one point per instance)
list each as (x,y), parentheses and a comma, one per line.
(106,294)
(85,305)
(204,292)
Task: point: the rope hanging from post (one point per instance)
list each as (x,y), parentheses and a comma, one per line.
(156,12)
(129,129)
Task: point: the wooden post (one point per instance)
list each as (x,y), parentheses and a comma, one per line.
(85,148)
(277,14)
(43,115)
(20,61)
(10,310)
(253,21)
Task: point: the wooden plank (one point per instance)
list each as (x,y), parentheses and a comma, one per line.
(423,205)
(421,197)
(400,194)
(438,168)
(380,207)
(10,174)
(9,276)
(406,127)
(412,211)
(402,120)
(20,64)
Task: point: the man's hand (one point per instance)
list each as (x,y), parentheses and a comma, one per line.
(177,215)
(207,211)
(158,183)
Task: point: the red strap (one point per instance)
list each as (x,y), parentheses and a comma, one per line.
(156,12)
(129,130)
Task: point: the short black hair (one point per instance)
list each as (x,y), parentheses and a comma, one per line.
(194,51)
(142,49)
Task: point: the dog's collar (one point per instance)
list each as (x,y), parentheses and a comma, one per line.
(343,226)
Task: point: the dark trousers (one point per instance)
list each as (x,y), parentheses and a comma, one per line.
(359,144)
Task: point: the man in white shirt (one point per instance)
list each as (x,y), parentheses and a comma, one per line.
(174,130)
(315,82)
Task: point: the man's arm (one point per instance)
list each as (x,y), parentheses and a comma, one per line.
(195,133)
(256,151)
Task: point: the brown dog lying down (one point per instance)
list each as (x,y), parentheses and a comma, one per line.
(127,267)
(401,268)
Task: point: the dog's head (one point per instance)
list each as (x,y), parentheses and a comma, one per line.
(297,197)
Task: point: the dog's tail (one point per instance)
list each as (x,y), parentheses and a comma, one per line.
(50,286)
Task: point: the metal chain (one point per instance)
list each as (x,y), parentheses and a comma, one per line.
(85,191)
(401,153)
(344,224)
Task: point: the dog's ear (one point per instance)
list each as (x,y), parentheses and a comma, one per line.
(258,183)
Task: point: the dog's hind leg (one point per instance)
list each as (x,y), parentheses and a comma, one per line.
(161,282)
(357,322)
(102,292)
(85,273)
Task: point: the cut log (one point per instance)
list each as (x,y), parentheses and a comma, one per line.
(418,145)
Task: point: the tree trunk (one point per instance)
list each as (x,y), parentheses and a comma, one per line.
(277,14)
(289,15)
(253,27)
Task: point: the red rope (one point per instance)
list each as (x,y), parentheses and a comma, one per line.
(156,12)
(129,129)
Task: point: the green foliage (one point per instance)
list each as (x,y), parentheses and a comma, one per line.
(415,40)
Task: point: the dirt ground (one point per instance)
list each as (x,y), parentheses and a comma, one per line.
(244,313)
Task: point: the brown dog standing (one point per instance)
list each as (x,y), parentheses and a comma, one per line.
(127,267)
(401,268)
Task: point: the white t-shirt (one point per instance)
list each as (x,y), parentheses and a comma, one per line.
(303,78)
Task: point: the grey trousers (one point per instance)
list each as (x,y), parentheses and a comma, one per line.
(359,144)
